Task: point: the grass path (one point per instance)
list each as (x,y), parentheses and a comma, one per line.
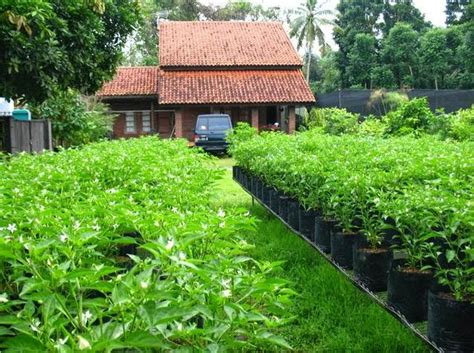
(332,315)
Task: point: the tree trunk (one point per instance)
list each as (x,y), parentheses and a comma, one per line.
(308,62)
(436,83)
(412,77)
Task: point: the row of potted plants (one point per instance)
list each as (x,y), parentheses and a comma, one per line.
(115,246)
(397,211)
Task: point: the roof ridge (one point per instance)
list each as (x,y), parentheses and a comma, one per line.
(219,22)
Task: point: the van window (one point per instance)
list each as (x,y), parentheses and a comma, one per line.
(216,124)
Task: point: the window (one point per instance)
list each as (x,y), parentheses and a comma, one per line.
(215,124)
(146,123)
(130,122)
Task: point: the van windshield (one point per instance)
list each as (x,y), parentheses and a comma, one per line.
(214,124)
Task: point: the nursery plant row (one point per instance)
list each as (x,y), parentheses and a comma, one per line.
(114,246)
(398,212)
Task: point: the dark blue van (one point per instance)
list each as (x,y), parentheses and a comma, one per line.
(211,131)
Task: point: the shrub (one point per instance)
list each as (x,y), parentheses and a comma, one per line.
(372,126)
(333,121)
(73,124)
(410,117)
(242,132)
(462,125)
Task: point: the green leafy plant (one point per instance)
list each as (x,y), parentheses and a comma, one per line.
(74,122)
(114,246)
(333,121)
(419,187)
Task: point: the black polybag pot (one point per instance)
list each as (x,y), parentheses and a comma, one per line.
(274,200)
(341,248)
(258,188)
(283,207)
(371,267)
(408,291)
(265,194)
(322,233)
(306,222)
(293,214)
(450,323)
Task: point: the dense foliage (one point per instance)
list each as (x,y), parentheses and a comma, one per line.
(75,120)
(412,117)
(55,44)
(389,44)
(421,188)
(116,246)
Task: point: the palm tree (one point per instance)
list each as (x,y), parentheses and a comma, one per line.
(306,27)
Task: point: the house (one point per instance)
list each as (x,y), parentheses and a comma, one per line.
(249,70)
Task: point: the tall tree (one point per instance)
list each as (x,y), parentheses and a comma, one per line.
(459,11)
(354,16)
(242,10)
(56,45)
(400,53)
(330,74)
(395,11)
(362,59)
(434,54)
(306,27)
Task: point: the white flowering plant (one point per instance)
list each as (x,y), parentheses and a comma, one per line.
(115,246)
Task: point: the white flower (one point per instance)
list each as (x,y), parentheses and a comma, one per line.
(144,285)
(246,214)
(83,343)
(222,225)
(179,326)
(86,316)
(3,298)
(35,325)
(175,210)
(182,256)
(77,225)
(11,228)
(16,190)
(96,227)
(112,191)
(226,293)
(221,213)
(63,237)
(60,343)
(169,244)
(225,283)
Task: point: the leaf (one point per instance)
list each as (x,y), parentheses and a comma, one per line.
(24,344)
(450,254)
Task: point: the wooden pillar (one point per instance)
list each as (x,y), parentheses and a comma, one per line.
(178,123)
(255,118)
(152,118)
(291,119)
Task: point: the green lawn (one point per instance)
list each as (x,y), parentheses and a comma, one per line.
(332,315)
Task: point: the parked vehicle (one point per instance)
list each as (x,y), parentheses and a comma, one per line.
(211,131)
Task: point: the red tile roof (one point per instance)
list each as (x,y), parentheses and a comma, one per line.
(132,81)
(243,44)
(234,86)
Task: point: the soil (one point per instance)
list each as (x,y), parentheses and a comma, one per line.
(413,270)
(450,296)
(374,250)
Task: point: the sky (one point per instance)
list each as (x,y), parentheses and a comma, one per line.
(432,9)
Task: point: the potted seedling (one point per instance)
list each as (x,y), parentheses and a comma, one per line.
(451,307)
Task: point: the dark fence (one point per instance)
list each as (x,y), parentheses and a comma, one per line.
(25,136)
(359,101)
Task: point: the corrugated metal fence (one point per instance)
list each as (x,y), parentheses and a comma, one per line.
(25,136)
(359,101)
